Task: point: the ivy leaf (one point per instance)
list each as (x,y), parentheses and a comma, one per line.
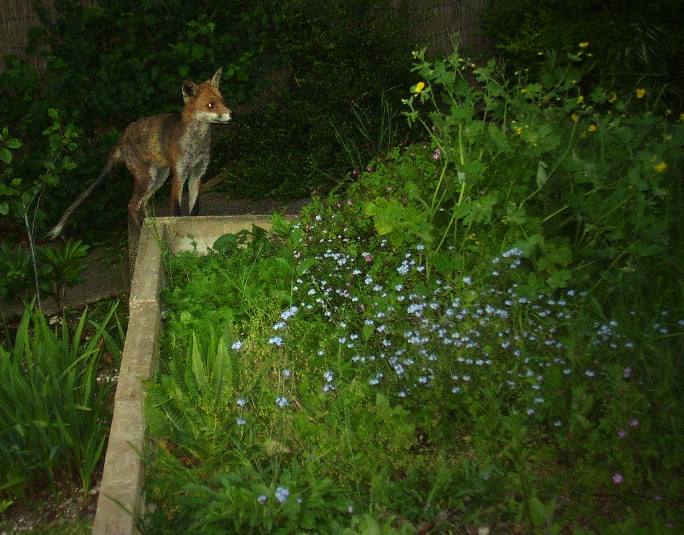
(5,155)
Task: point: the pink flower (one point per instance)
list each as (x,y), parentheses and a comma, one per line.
(634,422)
(622,433)
(617,478)
(628,373)
(368,257)
(437,154)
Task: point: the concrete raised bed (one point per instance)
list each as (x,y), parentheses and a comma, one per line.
(121,500)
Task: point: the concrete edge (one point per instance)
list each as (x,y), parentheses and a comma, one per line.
(121,501)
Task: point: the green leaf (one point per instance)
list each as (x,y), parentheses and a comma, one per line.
(197,52)
(198,370)
(542,177)
(540,514)
(559,278)
(5,155)
(4,208)
(13,143)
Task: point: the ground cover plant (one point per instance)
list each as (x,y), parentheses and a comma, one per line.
(481,331)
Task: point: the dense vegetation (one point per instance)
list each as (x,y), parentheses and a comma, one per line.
(631,44)
(481,326)
(56,385)
(482,330)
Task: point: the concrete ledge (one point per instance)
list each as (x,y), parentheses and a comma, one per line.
(121,502)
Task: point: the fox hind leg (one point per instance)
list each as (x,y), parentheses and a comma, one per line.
(141,181)
(158,176)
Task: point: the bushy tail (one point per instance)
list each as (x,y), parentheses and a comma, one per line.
(111,162)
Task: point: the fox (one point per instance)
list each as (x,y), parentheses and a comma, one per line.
(153,147)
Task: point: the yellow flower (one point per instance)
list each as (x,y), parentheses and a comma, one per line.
(574,117)
(584,44)
(592,127)
(660,167)
(419,87)
(640,92)
(580,99)
(613,98)
(519,130)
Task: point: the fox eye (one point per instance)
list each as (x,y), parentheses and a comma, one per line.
(210,105)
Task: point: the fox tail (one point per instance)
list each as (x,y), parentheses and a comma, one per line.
(112,160)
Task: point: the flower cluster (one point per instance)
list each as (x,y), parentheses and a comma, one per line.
(413,334)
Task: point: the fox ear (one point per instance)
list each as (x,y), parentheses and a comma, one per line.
(190,89)
(216,78)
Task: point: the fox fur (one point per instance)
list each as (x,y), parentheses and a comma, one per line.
(167,143)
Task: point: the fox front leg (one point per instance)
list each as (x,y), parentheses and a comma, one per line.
(194,183)
(177,185)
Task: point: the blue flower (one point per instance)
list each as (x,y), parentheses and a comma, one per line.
(276,341)
(236,346)
(282,402)
(262,499)
(241,402)
(281,494)
(240,421)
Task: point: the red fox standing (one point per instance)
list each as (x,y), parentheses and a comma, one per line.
(153,147)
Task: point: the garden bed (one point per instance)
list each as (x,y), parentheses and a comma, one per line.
(325,378)
(120,498)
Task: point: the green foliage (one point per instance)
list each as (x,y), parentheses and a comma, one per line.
(64,265)
(585,184)
(628,46)
(17,195)
(474,333)
(16,271)
(376,137)
(58,267)
(55,398)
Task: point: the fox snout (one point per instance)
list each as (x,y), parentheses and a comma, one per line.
(224,117)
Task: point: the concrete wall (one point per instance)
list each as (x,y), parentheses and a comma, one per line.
(121,501)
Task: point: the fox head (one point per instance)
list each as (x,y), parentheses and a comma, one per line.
(204,102)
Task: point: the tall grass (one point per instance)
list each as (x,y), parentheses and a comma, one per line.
(54,399)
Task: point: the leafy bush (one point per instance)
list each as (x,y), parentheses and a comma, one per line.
(56,268)
(55,397)
(585,184)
